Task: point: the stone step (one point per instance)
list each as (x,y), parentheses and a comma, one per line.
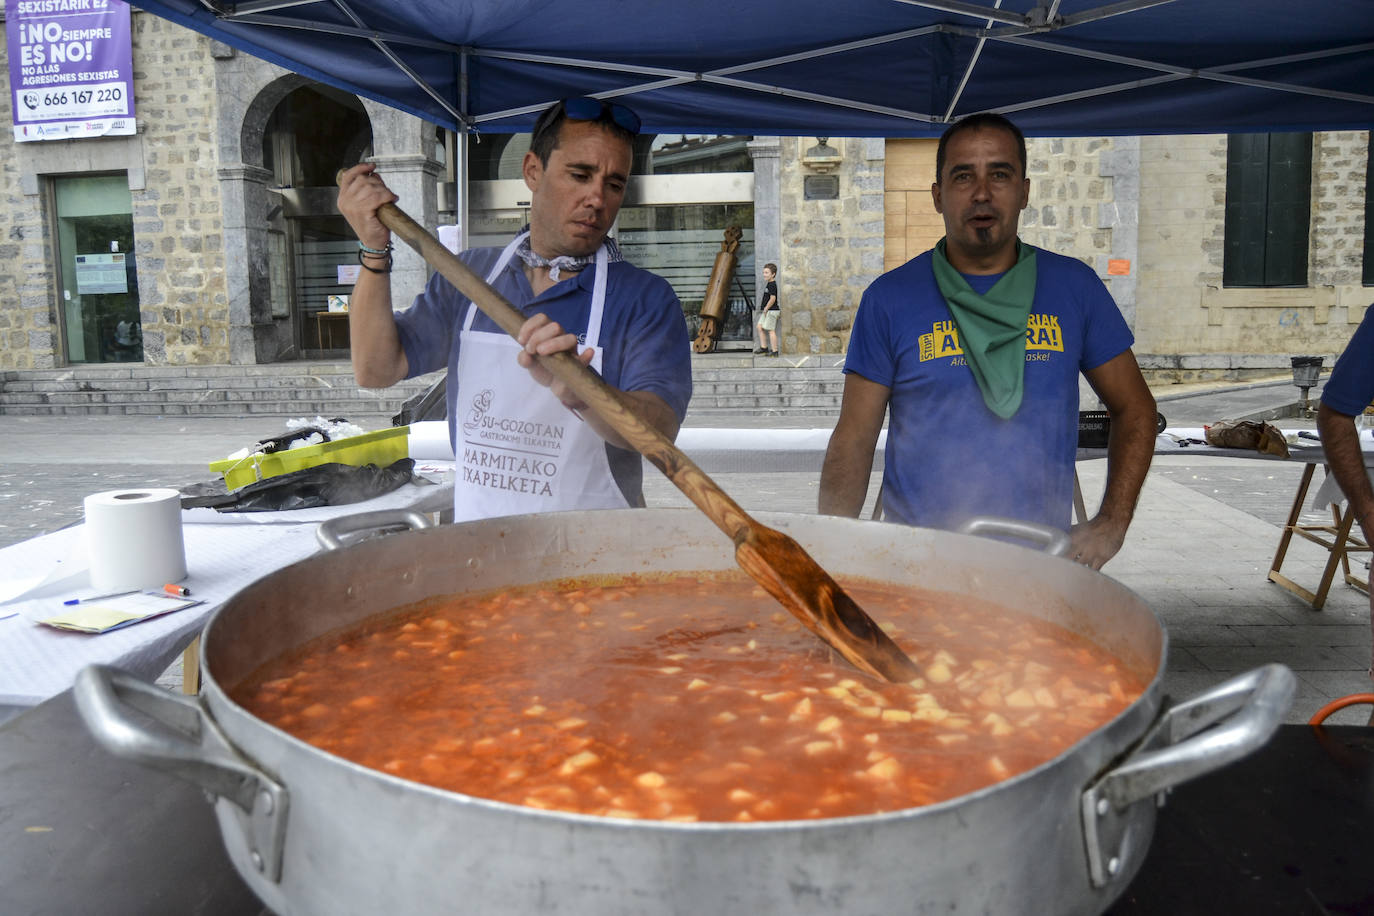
(752,405)
(289,389)
(138,370)
(767,386)
(761,376)
(721,383)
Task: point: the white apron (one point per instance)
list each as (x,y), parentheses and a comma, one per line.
(518,449)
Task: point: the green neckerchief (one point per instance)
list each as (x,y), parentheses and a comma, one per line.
(992,327)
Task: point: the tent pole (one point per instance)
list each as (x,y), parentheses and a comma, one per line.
(460,184)
(968,71)
(460,157)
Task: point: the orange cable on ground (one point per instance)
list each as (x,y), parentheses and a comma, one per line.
(1340,703)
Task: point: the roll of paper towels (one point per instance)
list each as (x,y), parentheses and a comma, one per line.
(429,441)
(133,539)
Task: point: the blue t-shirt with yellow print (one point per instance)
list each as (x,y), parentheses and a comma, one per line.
(948,456)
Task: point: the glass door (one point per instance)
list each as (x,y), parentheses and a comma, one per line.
(680,242)
(96,271)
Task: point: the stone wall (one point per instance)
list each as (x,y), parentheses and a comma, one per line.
(27,306)
(1192,327)
(830,249)
(1339,163)
(1084,203)
(1066,191)
(170,165)
(177,217)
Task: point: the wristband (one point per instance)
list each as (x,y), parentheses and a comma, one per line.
(386,250)
(375,270)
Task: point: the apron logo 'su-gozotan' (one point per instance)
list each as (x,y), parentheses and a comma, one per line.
(480,405)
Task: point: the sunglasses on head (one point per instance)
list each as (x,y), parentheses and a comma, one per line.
(589,109)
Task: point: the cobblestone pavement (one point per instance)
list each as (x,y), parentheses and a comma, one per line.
(48,465)
(38,498)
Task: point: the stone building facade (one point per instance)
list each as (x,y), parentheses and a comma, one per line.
(171,167)
(1084,199)
(202,204)
(830,248)
(1188,321)
(1147,213)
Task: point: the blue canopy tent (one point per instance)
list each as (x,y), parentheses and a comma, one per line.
(897,68)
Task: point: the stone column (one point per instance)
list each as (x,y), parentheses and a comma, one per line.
(767,206)
(765,152)
(415,179)
(403,150)
(243,199)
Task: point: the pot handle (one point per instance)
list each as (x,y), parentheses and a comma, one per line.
(188,745)
(1191,739)
(1054,542)
(331,532)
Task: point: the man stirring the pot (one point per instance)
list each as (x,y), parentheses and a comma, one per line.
(1348,392)
(521,440)
(975,347)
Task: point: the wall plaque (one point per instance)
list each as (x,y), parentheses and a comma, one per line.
(821,187)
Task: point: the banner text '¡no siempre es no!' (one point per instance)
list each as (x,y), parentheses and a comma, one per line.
(71,68)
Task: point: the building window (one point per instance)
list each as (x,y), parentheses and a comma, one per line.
(1268,206)
(685,193)
(1368,279)
(98,281)
(680,242)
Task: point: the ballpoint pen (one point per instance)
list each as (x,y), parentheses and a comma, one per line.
(99,597)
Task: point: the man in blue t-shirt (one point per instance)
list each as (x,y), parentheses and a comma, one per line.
(520,437)
(975,348)
(1347,393)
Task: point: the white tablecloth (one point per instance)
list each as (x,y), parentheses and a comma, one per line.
(224,552)
(37,662)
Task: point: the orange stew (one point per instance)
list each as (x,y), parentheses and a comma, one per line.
(691,699)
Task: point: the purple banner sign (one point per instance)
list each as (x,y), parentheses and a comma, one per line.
(71,68)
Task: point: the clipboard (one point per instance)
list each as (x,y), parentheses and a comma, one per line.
(101,615)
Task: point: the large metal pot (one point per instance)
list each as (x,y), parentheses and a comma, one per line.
(315,834)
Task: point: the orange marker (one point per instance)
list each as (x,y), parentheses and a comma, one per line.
(178,590)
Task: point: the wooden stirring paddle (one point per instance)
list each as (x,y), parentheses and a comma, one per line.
(773,559)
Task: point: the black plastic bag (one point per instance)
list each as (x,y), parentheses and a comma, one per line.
(309,488)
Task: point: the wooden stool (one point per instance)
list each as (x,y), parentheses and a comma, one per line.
(1336,538)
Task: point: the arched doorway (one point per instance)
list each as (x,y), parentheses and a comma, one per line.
(311,256)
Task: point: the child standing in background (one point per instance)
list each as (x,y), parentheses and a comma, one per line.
(768,318)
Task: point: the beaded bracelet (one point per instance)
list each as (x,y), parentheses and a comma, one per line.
(386,250)
(376,270)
